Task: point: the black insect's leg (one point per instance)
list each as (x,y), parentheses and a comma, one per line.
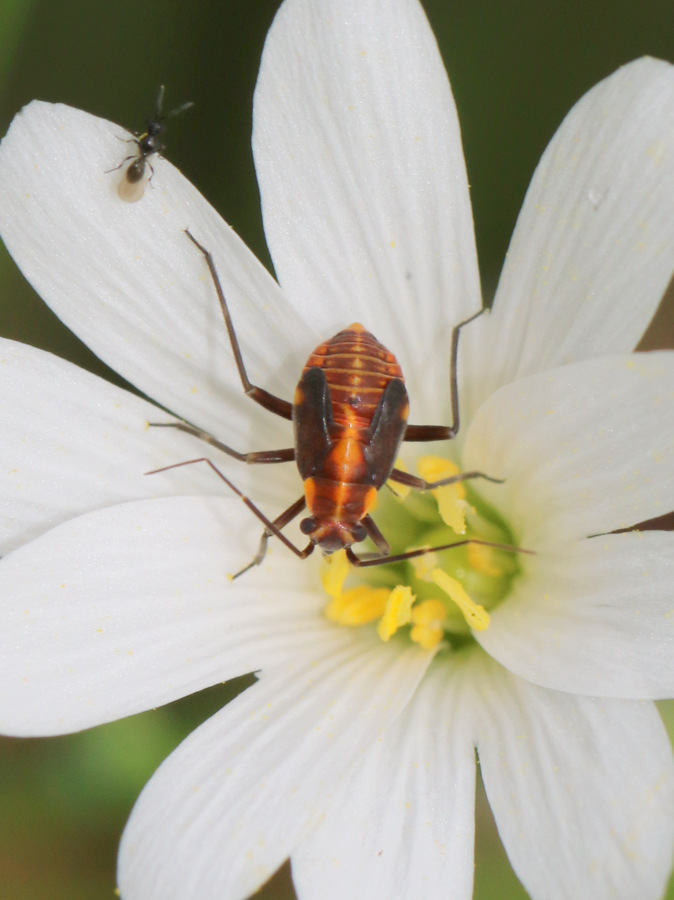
(270,526)
(126,158)
(269,401)
(258,456)
(445,432)
(420,484)
(151,168)
(362,562)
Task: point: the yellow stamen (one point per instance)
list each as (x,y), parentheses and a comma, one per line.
(398,612)
(400,490)
(427,623)
(423,565)
(475,615)
(483,559)
(334,570)
(358,606)
(451,498)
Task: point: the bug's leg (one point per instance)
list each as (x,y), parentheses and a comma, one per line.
(257,456)
(376,536)
(420,484)
(279,522)
(362,562)
(445,432)
(270,526)
(279,407)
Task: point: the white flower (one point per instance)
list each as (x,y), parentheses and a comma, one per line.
(353,756)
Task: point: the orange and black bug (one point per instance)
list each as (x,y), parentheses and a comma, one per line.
(148,144)
(349,416)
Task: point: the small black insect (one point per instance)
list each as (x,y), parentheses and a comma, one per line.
(132,185)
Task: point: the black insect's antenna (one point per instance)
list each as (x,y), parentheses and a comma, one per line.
(159,103)
(155,125)
(174,112)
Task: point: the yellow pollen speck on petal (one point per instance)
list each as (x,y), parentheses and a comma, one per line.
(358,606)
(451,498)
(475,615)
(427,623)
(398,611)
(399,490)
(657,151)
(334,570)
(482,559)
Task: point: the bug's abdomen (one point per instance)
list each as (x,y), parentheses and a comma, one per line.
(349,416)
(357,368)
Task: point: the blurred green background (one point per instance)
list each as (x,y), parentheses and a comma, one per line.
(516,69)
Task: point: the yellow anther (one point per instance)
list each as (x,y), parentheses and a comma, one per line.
(451,498)
(358,606)
(334,570)
(400,490)
(483,559)
(428,623)
(428,612)
(398,612)
(423,565)
(475,615)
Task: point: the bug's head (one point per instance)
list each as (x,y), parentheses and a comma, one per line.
(330,535)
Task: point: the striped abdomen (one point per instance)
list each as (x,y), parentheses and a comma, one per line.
(357,368)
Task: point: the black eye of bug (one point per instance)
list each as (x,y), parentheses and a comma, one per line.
(308,526)
(358,532)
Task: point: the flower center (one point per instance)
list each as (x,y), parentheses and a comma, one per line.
(438,596)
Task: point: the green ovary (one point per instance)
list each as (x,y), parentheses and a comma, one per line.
(438,596)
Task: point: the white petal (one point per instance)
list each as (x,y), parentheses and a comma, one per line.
(584,449)
(127,280)
(593,250)
(582,790)
(72,442)
(233,801)
(592,618)
(363,180)
(130,607)
(405,826)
